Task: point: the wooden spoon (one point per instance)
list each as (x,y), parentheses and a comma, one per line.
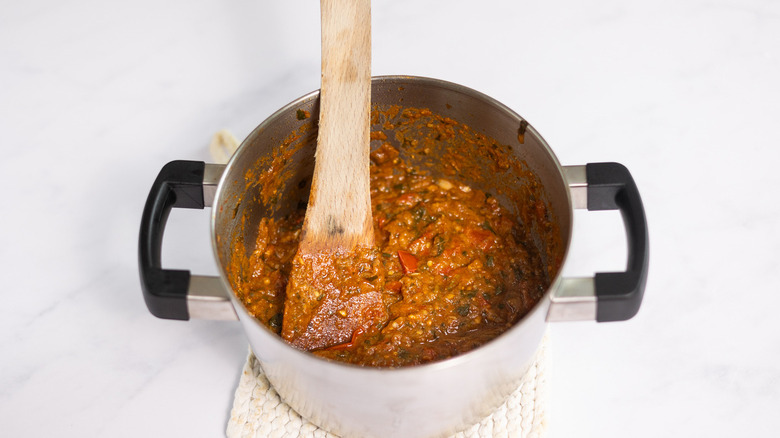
(338,223)
(339,210)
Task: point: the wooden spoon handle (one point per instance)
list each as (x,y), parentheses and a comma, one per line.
(339,209)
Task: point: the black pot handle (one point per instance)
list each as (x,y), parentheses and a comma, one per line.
(179,184)
(608,296)
(619,294)
(173,294)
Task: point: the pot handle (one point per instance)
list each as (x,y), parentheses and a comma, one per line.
(175,294)
(609,296)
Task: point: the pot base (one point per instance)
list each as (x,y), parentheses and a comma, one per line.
(259,412)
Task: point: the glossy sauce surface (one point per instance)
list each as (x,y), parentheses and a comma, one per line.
(450,270)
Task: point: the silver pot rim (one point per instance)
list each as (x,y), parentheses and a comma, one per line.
(541,306)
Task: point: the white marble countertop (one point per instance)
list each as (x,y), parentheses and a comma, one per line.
(96,96)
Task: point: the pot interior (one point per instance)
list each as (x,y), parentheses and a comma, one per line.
(493,149)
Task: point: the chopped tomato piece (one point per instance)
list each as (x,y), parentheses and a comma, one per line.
(408,261)
(421,245)
(349,344)
(482,239)
(381,220)
(394,286)
(408,199)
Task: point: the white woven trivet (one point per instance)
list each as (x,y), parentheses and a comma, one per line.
(258,412)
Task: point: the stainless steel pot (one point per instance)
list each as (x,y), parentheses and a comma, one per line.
(430,400)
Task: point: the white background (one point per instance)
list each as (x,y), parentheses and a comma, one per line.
(96,96)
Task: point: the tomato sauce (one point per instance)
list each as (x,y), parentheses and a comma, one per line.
(450,270)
